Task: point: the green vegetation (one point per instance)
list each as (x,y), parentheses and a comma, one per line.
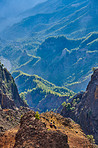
(56,55)
(37,83)
(21,116)
(35,90)
(91,139)
(71,106)
(59,53)
(93,69)
(68,106)
(75,101)
(63,60)
(37,116)
(90,39)
(22,96)
(63,104)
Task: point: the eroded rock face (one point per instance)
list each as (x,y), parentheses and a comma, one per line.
(34,134)
(9,97)
(6,102)
(10,118)
(86,112)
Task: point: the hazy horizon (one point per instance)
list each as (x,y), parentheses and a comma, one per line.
(10,9)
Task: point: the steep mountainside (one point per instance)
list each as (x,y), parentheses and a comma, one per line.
(72,18)
(66,61)
(84,108)
(9,124)
(9,97)
(10,118)
(41,133)
(34,131)
(40,94)
(16,56)
(62,61)
(30,129)
(49,6)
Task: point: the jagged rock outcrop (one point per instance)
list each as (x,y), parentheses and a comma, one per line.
(31,130)
(9,97)
(10,118)
(86,111)
(6,102)
(34,134)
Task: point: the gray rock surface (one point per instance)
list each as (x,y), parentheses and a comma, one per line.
(86,112)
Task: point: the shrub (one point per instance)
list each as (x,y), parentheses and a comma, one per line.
(73,108)
(68,106)
(78,100)
(37,116)
(93,69)
(91,138)
(74,101)
(21,116)
(63,104)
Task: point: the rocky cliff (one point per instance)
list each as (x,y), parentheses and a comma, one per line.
(24,128)
(9,97)
(50,130)
(85,111)
(33,133)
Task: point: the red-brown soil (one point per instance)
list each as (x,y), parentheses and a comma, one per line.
(41,129)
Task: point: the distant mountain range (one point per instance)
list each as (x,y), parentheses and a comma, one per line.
(71,18)
(43,44)
(65,62)
(10,11)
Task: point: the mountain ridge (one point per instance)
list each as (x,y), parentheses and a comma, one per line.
(65,62)
(9,97)
(51,19)
(40,94)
